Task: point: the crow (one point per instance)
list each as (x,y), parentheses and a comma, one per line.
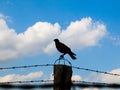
(64,49)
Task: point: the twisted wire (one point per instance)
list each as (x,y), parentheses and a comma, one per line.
(80,68)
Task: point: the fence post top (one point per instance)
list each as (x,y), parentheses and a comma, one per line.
(62,61)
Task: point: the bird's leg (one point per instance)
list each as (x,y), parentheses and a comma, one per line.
(61,56)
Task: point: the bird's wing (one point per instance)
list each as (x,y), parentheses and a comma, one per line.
(64,46)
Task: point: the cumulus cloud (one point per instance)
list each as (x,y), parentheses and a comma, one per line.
(18,77)
(33,41)
(81,34)
(38,38)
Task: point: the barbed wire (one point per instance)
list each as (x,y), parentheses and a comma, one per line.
(26,86)
(29,81)
(97,71)
(44,81)
(85,84)
(50,84)
(80,68)
(26,66)
(79,84)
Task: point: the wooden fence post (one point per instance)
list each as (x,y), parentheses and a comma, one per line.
(62,77)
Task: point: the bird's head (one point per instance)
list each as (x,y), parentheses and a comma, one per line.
(56,40)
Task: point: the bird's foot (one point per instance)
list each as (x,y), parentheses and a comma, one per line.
(61,57)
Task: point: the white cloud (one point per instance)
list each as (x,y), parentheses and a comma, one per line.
(111,78)
(85,31)
(104,78)
(33,41)
(82,33)
(76,77)
(18,77)
(38,38)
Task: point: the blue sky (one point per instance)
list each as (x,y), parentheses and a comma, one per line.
(24,19)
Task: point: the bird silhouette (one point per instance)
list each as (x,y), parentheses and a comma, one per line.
(64,49)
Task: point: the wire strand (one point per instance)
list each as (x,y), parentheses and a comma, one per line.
(30,81)
(27,66)
(97,71)
(49,83)
(80,68)
(79,84)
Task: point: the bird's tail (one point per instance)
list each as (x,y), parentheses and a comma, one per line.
(72,55)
